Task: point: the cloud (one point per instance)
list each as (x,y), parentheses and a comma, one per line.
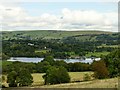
(16,18)
(89,19)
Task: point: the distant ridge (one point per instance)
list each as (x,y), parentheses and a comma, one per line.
(48,34)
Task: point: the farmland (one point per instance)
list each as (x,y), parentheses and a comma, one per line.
(97,54)
(75,76)
(51,34)
(73,43)
(106,83)
(38,80)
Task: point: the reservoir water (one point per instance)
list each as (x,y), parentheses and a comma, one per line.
(36,60)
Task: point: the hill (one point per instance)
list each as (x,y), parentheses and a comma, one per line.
(46,34)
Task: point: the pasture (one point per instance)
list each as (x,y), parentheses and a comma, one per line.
(38,82)
(97,54)
(112,46)
(45,34)
(105,83)
(75,76)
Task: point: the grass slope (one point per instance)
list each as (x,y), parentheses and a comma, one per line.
(48,34)
(105,83)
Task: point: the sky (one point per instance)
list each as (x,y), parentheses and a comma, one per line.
(68,16)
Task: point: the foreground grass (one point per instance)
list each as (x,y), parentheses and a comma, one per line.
(105,83)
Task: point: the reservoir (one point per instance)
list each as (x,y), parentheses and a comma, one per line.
(36,60)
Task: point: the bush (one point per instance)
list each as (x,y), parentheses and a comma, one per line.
(100,69)
(87,77)
(56,75)
(4,56)
(3,78)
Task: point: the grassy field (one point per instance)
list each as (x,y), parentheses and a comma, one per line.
(75,76)
(52,34)
(97,54)
(105,83)
(38,80)
(41,51)
(113,46)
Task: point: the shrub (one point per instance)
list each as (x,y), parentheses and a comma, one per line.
(100,69)
(4,56)
(56,75)
(3,78)
(87,77)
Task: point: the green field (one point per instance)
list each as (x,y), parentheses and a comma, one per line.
(45,34)
(41,51)
(97,54)
(75,76)
(113,46)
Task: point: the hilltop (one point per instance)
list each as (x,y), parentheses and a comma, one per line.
(47,34)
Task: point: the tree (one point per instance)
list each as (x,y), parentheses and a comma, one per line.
(42,67)
(112,61)
(20,78)
(49,59)
(4,56)
(24,78)
(60,63)
(11,79)
(56,75)
(100,69)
